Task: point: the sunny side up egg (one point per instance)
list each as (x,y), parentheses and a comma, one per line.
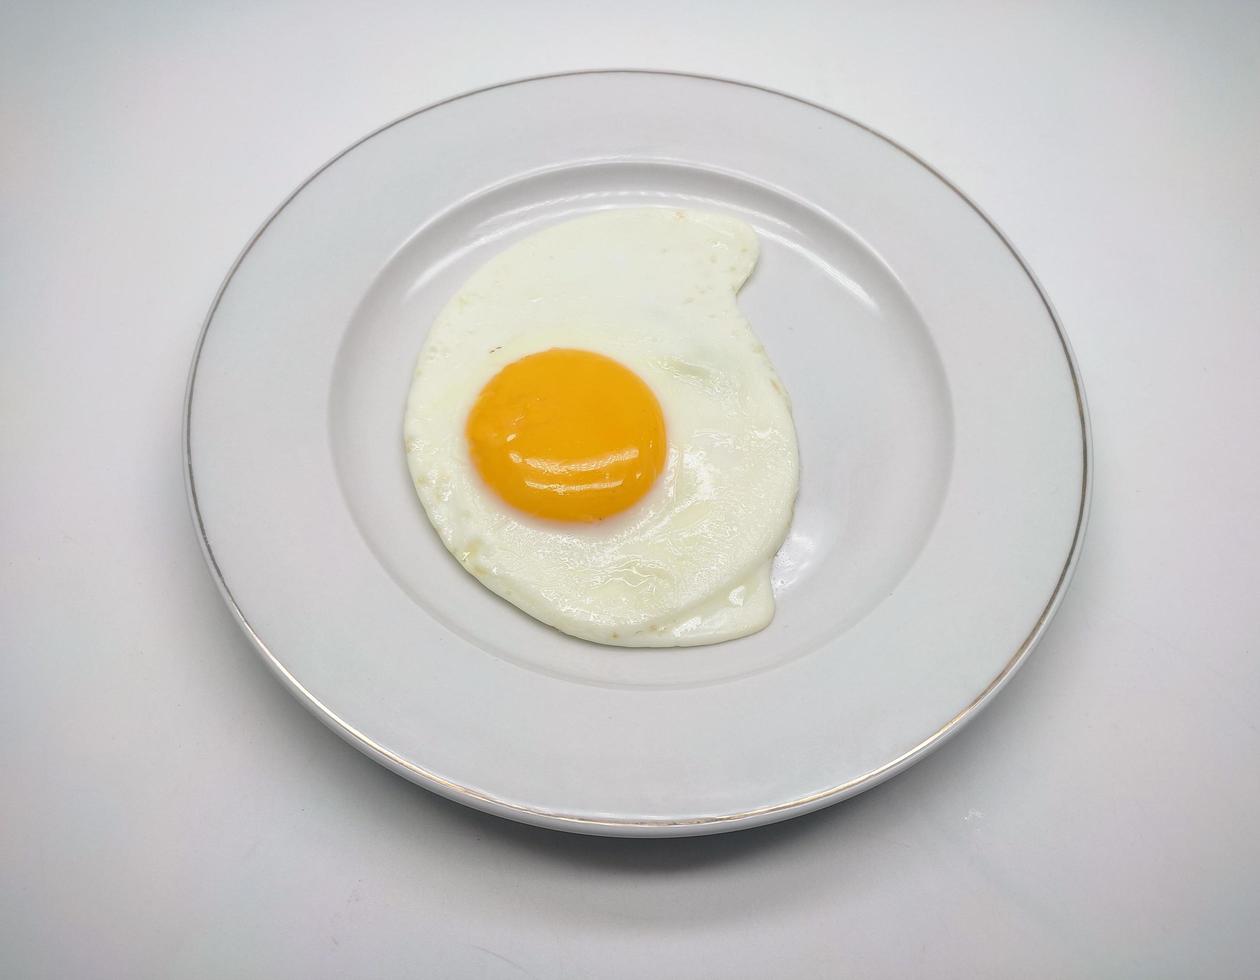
(598,437)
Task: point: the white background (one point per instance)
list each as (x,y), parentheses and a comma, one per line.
(168,810)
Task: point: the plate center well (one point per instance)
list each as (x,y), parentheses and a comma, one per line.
(870,401)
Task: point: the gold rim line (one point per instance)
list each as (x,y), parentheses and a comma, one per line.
(541,817)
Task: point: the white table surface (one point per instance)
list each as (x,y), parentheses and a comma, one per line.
(168,810)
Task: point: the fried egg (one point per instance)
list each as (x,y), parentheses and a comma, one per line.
(598,437)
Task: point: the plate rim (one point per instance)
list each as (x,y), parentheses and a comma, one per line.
(609,825)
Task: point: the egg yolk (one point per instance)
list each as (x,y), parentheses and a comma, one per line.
(567,435)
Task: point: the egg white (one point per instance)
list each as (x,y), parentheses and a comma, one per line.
(654,289)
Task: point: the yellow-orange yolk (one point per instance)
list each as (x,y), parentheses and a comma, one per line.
(568,435)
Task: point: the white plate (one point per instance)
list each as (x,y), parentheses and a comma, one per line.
(943,437)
